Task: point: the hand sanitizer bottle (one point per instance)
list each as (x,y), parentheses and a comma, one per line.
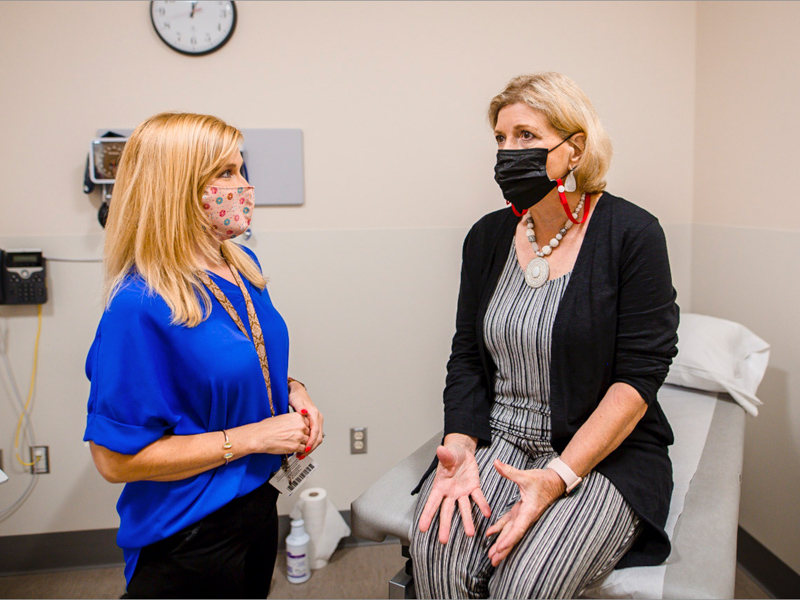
(297,562)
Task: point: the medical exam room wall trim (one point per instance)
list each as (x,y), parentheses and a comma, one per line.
(98,547)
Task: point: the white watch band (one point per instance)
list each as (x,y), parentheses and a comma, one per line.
(568,475)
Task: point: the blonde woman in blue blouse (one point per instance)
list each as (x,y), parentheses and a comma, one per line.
(190,395)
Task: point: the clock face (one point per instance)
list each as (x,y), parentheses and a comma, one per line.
(194,27)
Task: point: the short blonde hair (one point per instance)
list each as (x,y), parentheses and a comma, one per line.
(156,222)
(569,111)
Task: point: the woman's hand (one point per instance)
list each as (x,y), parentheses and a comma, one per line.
(457,479)
(176,457)
(301,402)
(538,489)
(282,434)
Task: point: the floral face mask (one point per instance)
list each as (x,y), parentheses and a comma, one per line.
(229,209)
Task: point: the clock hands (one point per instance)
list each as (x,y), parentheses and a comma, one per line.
(195,9)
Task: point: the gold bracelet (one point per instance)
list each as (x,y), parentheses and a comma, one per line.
(291,379)
(227,446)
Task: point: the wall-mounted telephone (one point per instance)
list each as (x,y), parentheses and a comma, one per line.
(22,277)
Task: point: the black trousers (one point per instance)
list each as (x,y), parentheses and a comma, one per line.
(228,554)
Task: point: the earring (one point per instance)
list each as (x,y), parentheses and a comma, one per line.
(569,183)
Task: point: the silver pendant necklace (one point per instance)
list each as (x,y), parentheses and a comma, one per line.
(538,270)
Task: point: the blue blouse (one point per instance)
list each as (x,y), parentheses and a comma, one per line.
(150,378)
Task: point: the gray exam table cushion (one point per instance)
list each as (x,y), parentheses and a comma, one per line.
(703,559)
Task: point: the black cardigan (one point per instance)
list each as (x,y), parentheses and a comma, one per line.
(617,322)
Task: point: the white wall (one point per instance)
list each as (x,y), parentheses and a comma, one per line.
(391,98)
(747,237)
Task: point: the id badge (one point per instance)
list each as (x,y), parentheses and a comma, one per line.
(287,480)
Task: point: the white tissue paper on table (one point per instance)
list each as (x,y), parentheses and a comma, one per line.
(323,523)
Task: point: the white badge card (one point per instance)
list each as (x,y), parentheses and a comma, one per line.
(286,482)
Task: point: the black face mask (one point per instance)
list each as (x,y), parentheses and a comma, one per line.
(522,175)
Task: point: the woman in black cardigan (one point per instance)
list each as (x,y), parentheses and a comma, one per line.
(555,447)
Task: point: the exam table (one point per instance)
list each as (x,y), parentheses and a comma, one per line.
(711,386)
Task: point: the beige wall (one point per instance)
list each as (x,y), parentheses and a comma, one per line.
(748,83)
(391,98)
(747,238)
(398,163)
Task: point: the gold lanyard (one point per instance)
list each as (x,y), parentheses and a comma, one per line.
(255,327)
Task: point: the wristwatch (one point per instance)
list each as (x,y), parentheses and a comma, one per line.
(568,475)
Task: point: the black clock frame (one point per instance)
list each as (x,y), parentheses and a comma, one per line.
(205,52)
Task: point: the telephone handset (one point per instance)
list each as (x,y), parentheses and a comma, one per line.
(23,277)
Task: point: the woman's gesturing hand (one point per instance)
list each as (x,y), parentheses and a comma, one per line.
(301,402)
(538,489)
(457,479)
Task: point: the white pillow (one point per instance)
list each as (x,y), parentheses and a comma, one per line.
(719,356)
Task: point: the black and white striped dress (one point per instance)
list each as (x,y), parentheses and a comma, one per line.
(579,537)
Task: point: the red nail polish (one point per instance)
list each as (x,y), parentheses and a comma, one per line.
(304,412)
(308,449)
(300,456)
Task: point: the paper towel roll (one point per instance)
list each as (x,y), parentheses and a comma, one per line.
(323,523)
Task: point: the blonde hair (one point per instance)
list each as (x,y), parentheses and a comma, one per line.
(569,111)
(156,223)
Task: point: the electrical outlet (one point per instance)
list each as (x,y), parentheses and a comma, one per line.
(40,456)
(358,440)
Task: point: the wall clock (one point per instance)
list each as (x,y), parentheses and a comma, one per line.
(193,28)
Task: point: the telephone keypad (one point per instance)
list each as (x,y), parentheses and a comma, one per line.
(26,291)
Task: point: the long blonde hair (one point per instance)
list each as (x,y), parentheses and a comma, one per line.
(569,111)
(156,223)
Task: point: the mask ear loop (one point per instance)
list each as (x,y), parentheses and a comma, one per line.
(514,209)
(565,204)
(563,196)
